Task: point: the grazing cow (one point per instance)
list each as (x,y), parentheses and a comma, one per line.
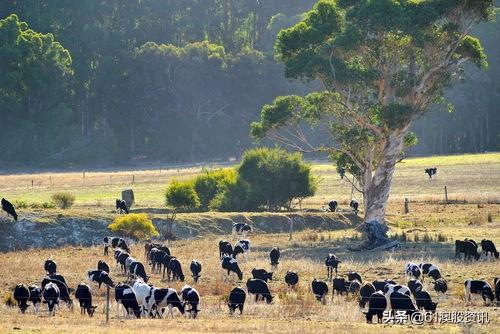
(339,285)
(352,275)
(402,303)
(125,295)
(365,292)
(142,290)
(440,285)
(489,247)
(241,247)
(50,267)
(258,288)
(403,289)
(22,295)
(478,287)
(331,262)
(473,242)
(191,297)
(412,270)
(121,206)
(128,261)
(121,259)
(165,262)
(353,286)
(380,285)
(415,285)
(231,265)
(237,298)
(156,259)
(148,247)
(136,269)
(333,206)
(9,208)
(377,303)
(320,290)
(496,281)
(63,290)
(175,268)
(100,277)
(354,206)
(161,298)
(291,278)
(431,172)
(430,270)
(101,265)
(424,301)
(262,274)
(225,248)
(468,247)
(35,297)
(241,228)
(195,268)
(51,296)
(115,242)
(84,297)
(274,255)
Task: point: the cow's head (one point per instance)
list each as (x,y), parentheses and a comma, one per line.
(91,311)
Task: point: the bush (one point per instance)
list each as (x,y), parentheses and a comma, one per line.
(211,183)
(135,225)
(233,196)
(63,200)
(182,195)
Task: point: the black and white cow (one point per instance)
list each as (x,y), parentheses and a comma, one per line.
(84,297)
(51,296)
(22,295)
(431,270)
(339,285)
(258,288)
(401,302)
(161,298)
(468,247)
(377,303)
(9,208)
(424,301)
(403,289)
(125,295)
(333,205)
(241,228)
(412,270)
(415,285)
(115,242)
(236,300)
(191,297)
(100,277)
(241,247)
(231,265)
(35,297)
(121,260)
(137,269)
(489,247)
(331,262)
(478,287)
(440,285)
(353,286)
(291,278)
(128,261)
(274,256)
(157,259)
(496,282)
(352,275)
(175,268)
(320,290)
(50,267)
(354,206)
(101,265)
(365,292)
(121,206)
(63,290)
(165,262)
(195,268)
(431,172)
(225,248)
(380,285)
(262,274)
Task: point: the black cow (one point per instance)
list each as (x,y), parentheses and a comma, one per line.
(291,278)
(365,292)
(496,281)
(84,297)
(353,286)
(274,255)
(430,270)
(331,262)
(258,288)
(225,248)
(22,295)
(58,277)
(468,247)
(125,295)
(402,302)
(415,285)
(50,267)
(412,270)
(352,275)
(175,269)
(354,206)
(262,274)
(191,297)
(137,269)
(63,290)
(121,206)
(489,247)
(231,265)
(51,296)
(236,300)
(478,287)
(9,208)
(377,303)
(100,277)
(165,262)
(431,172)
(424,301)
(101,265)
(241,228)
(122,260)
(161,298)
(115,242)
(35,297)
(157,259)
(440,285)
(339,285)
(320,290)
(195,268)
(148,247)
(380,285)
(333,206)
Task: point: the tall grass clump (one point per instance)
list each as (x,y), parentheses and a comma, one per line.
(135,225)
(63,200)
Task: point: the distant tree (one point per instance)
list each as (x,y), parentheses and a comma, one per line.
(182,195)
(382,64)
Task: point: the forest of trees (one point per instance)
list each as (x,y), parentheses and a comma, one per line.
(109,82)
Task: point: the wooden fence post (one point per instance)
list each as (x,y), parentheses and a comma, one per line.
(32,183)
(446,194)
(407,206)
(291,229)
(133,179)
(107,303)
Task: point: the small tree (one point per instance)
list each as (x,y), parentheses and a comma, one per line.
(182,195)
(210,183)
(134,225)
(63,200)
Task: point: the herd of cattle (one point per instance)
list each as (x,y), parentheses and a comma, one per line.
(141,299)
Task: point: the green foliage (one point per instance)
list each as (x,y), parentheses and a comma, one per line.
(63,200)
(233,196)
(134,225)
(182,195)
(210,183)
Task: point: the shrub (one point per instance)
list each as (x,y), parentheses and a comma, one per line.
(233,196)
(182,195)
(63,200)
(135,225)
(8,299)
(211,183)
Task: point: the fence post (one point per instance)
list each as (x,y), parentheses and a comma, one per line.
(107,303)
(110,179)
(446,194)
(83,174)
(407,206)
(32,183)
(291,228)
(133,179)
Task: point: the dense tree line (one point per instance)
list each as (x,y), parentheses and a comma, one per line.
(102,82)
